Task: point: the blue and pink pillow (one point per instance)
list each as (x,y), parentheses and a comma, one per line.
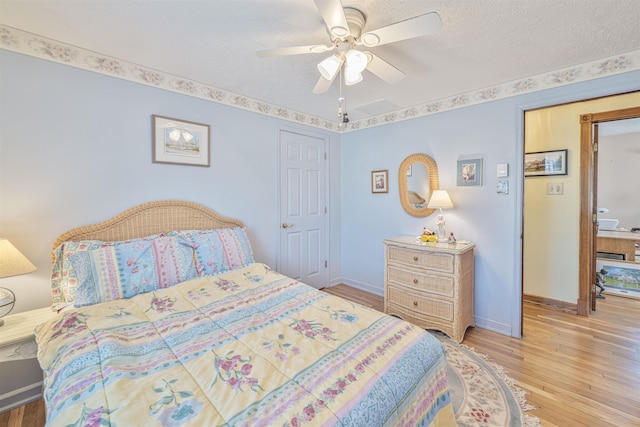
(92,271)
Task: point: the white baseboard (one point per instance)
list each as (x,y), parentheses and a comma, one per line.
(363,286)
(501,328)
(35,395)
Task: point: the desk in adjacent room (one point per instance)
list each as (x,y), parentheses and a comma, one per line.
(618,243)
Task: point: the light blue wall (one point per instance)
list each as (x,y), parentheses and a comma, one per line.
(75,148)
(492,131)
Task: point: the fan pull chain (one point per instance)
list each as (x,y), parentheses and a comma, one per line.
(343,116)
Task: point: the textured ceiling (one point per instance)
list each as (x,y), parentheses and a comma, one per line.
(482,43)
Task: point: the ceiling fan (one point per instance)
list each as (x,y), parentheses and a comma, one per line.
(345,26)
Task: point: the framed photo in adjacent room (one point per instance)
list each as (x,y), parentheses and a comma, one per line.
(545,163)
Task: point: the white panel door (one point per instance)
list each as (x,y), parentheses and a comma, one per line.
(302,208)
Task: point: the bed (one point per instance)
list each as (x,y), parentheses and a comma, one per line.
(167,320)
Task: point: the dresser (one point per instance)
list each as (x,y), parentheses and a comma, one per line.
(430,284)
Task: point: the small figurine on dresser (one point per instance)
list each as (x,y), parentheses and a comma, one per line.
(427,235)
(452,238)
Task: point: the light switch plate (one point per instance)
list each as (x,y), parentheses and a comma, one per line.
(555,188)
(502,187)
(503,170)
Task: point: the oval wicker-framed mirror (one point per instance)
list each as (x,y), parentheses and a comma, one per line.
(417,179)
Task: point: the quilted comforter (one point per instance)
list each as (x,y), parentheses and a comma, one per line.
(246,348)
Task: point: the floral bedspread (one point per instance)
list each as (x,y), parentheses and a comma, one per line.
(247,348)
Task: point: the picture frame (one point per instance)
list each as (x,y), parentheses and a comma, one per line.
(380,181)
(545,163)
(469,172)
(180,142)
(621,275)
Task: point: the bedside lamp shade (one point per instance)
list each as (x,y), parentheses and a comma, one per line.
(12,262)
(440,199)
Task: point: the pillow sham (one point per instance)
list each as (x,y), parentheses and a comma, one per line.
(64,279)
(124,270)
(219,250)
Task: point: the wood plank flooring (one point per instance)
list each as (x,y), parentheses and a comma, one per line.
(576,371)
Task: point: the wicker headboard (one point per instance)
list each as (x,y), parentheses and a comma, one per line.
(150,218)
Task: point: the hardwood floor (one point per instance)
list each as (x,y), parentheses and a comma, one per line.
(576,371)
(29,415)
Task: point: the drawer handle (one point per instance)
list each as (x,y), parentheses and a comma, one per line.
(415,303)
(415,281)
(415,258)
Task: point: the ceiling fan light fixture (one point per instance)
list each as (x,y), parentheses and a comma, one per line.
(329,67)
(351,76)
(356,60)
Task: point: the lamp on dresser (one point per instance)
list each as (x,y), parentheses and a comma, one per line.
(12,263)
(440,199)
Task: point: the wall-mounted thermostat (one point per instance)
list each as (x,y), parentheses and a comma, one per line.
(503,170)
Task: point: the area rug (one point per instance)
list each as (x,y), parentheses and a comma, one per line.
(482,394)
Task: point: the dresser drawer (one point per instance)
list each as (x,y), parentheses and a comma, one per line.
(420,303)
(421,280)
(437,261)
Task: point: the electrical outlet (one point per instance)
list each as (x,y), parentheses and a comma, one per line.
(555,188)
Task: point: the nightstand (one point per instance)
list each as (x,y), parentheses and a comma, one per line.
(430,284)
(19,369)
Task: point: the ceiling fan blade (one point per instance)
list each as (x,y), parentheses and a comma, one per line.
(293,50)
(383,69)
(422,25)
(322,85)
(333,15)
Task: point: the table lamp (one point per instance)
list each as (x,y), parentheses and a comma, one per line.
(12,263)
(440,199)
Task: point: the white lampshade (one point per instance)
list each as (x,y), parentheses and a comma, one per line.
(351,76)
(12,262)
(356,60)
(440,199)
(330,66)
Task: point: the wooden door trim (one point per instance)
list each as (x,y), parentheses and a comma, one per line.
(586,254)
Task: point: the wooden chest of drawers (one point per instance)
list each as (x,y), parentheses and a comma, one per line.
(430,285)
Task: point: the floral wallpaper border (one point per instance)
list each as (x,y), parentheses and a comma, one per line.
(33,45)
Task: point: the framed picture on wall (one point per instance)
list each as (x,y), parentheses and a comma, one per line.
(470,172)
(545,163)
(180,141)
(379,181)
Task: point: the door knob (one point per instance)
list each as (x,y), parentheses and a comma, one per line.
(287,225)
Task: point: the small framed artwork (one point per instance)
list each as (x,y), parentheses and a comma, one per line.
(470,172)
(620,277)
(180,142)
(545,163)
(379,181)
